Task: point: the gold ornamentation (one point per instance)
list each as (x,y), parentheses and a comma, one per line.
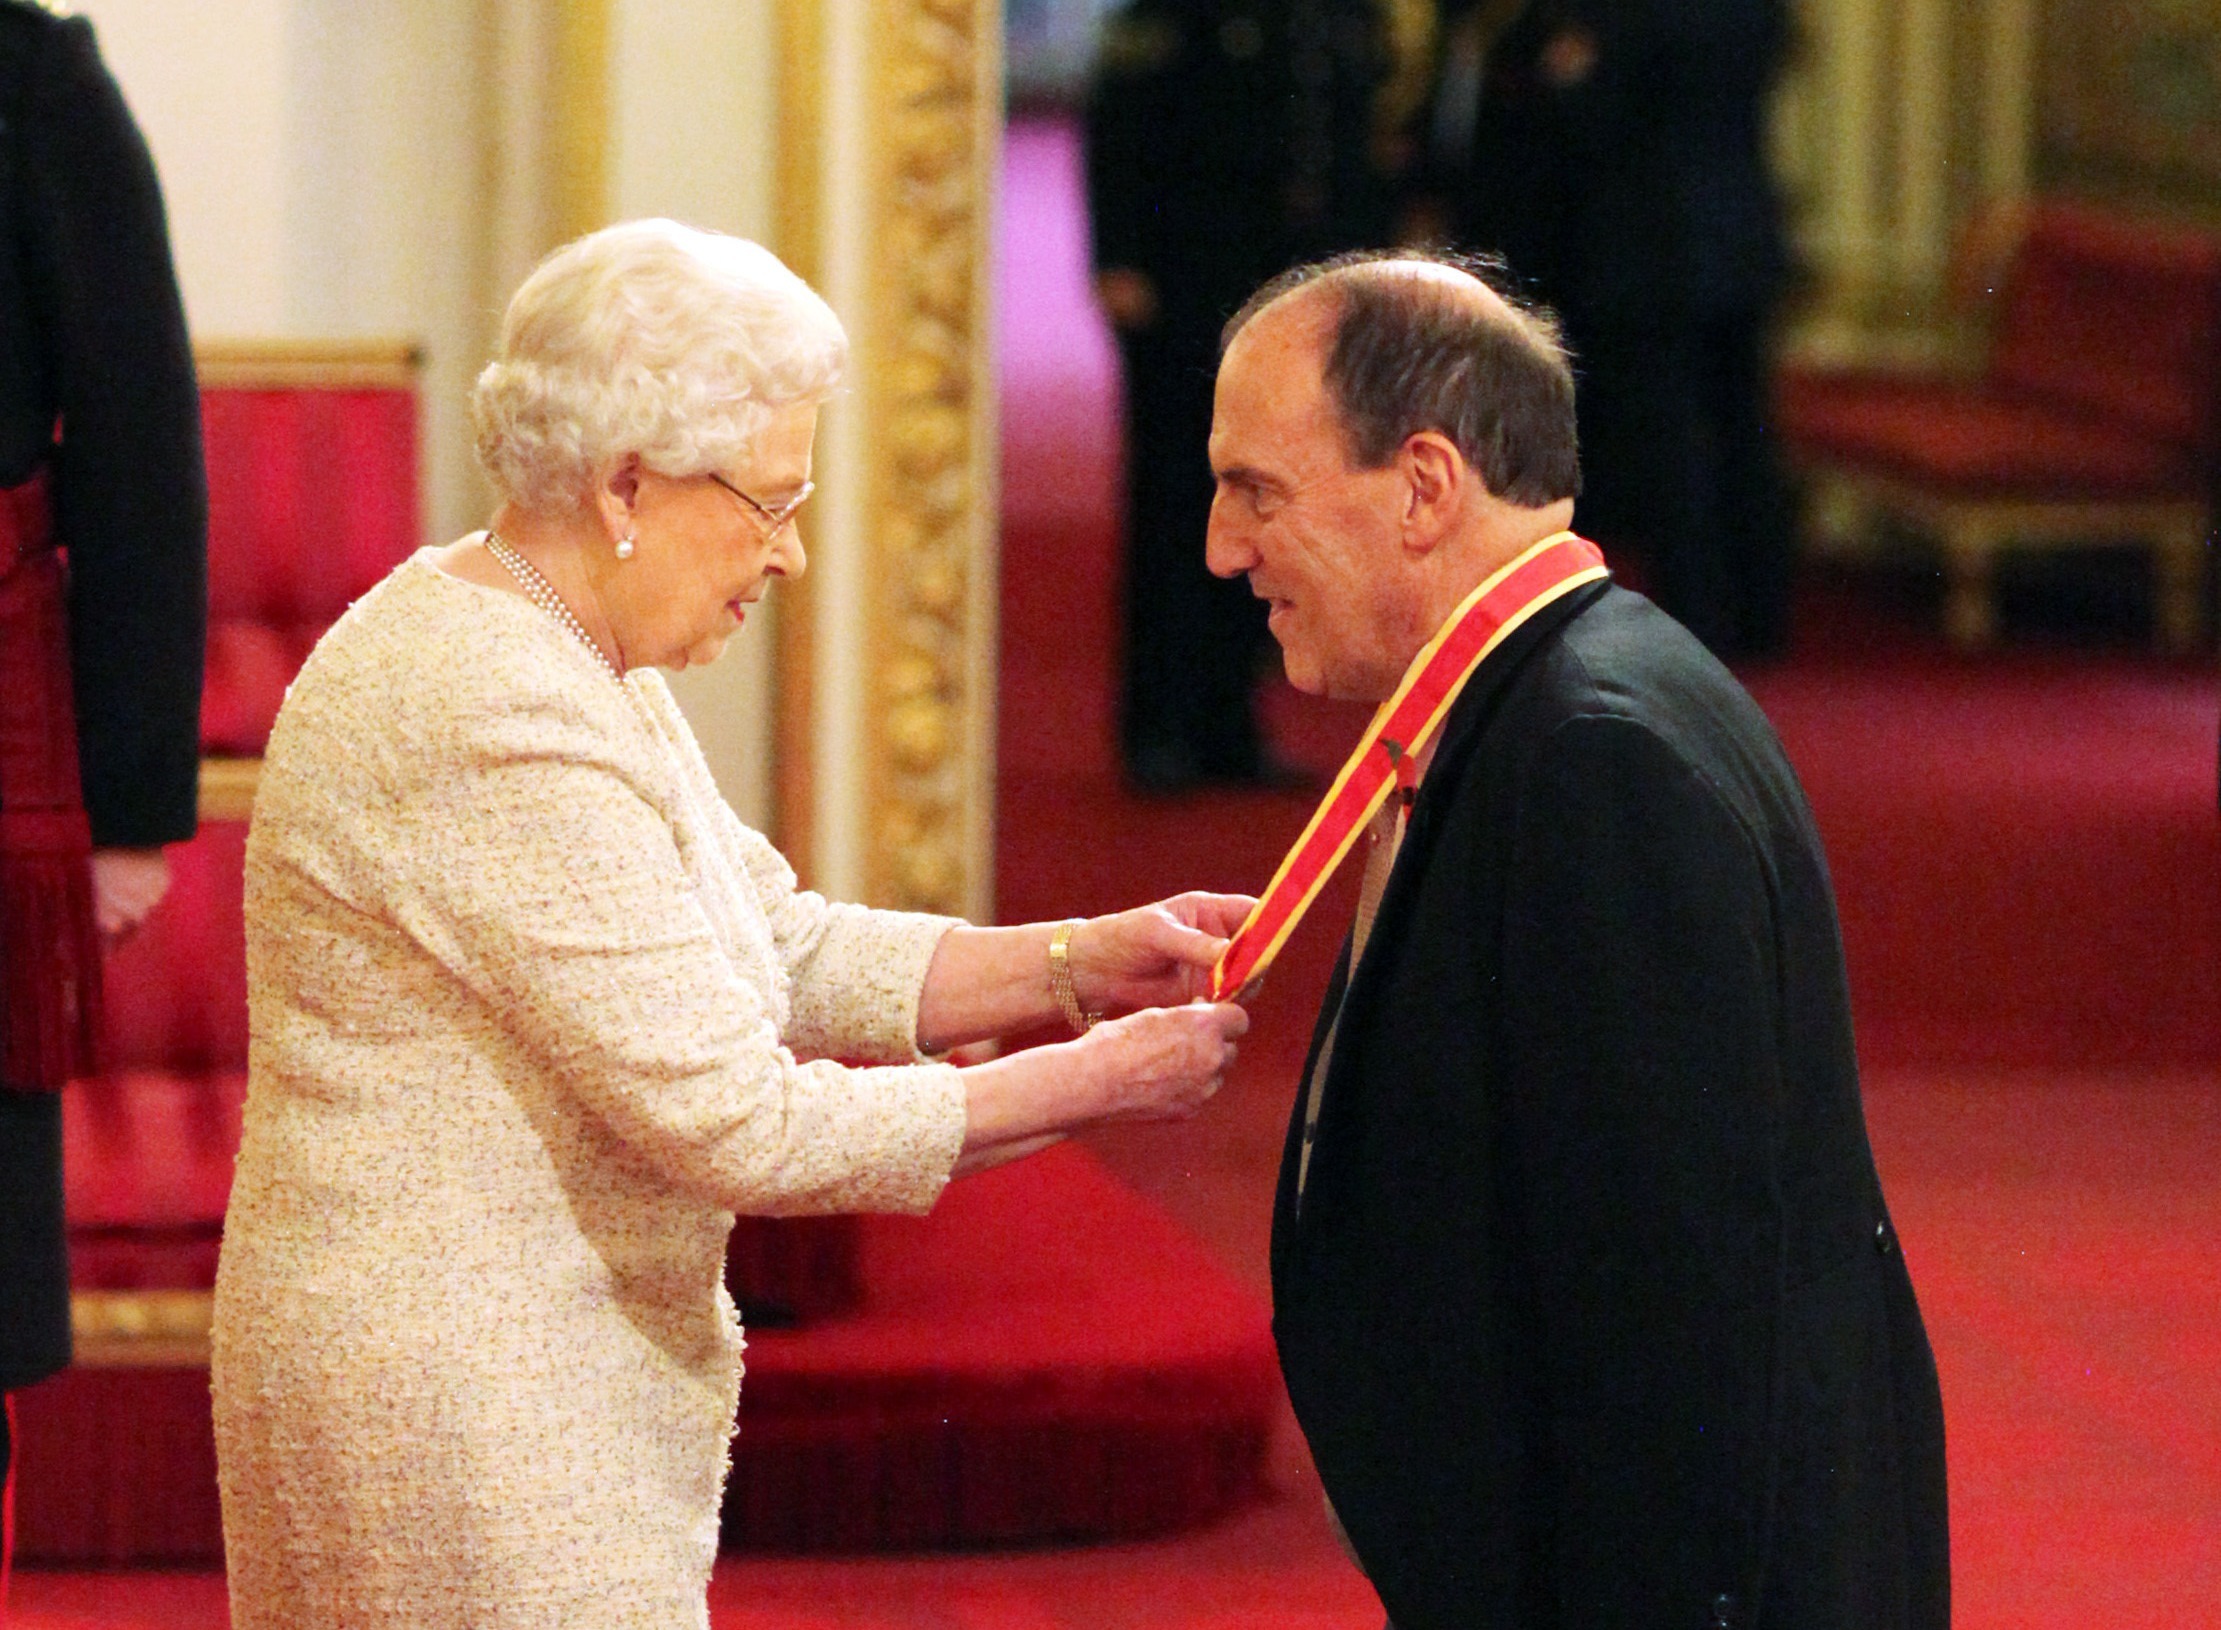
(307,364)
(140,1329)
(932,523)
(227,788)
(1060,979)
(929,114)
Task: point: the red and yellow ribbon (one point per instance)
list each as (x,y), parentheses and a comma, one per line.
(1406,722)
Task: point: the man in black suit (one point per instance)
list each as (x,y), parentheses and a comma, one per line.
(100,432)
(1584,1287)
(1617,158)
(1225,138)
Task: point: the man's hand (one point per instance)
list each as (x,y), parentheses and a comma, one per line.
(1569,58)
(1156,955)
(1127,297)
(127,885)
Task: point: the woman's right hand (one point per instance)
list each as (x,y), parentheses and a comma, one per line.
(1164,1063)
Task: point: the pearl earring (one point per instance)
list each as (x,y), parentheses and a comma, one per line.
(625,547)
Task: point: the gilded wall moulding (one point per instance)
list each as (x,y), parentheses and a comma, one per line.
(899,242)
(933,624)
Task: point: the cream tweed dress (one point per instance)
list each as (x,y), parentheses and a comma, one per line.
(533,1015)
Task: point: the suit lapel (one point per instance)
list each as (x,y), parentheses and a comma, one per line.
(1462,731)
(1352,992)
(1291,1158)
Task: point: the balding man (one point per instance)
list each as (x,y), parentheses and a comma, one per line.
(1585,1289)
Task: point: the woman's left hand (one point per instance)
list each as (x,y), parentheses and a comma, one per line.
(1156,955)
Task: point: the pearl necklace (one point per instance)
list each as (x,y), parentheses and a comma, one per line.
(542,593)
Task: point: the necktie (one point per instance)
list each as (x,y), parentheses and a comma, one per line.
(1387,837)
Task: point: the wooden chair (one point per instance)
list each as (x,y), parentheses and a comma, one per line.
(2095,421)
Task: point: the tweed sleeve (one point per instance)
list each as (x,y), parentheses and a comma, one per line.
(858,974)
(532,860)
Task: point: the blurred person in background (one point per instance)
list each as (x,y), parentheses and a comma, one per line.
(103,609)
(1225,138)
(1613,151)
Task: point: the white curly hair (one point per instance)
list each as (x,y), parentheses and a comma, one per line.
(647,338)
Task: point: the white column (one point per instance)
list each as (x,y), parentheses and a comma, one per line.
(979,766)
(693,112)
(840,728)
(208,85)
(520,212)
(694,135)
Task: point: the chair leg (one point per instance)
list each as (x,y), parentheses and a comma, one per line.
(1970,603)
(1838,520)
(2179,566)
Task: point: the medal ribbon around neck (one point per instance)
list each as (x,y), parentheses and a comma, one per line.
(1388,752)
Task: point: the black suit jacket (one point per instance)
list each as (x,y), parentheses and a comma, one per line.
(1227,139)
(1592,1311)
(1639,190)
(92,338)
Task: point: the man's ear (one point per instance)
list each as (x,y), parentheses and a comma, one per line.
(1437,484)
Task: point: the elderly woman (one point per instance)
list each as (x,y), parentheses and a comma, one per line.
(534,1014)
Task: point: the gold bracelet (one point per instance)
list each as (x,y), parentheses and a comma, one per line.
(1060,978)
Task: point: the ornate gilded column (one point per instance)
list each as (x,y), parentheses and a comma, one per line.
(891,120)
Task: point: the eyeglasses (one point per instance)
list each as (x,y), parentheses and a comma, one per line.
(775,520)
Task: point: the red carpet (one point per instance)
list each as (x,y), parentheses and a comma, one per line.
(2062,1229)
(2028,858)
(2025,846)
(1042,1357)
(1010,1374)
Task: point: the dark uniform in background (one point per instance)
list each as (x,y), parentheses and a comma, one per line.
(1226,140)
(96,390)
(1616,157)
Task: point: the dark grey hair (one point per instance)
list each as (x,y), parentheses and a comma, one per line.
(1412,353)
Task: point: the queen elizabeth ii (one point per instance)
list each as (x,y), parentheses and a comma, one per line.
(534,1014)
